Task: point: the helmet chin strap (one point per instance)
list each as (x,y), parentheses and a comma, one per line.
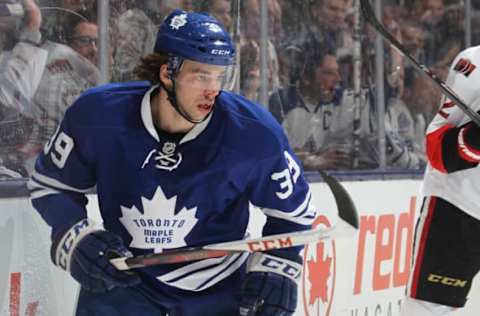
(172,98)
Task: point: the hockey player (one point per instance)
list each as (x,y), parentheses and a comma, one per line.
(176,163)
(446,254)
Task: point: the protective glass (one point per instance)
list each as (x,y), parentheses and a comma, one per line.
(204,77)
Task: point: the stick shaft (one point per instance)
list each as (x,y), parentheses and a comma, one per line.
(228,248)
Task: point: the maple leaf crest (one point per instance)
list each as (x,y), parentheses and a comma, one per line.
(178,21)
(158,227)
(319,273)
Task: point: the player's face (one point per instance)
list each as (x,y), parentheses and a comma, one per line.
(197,85)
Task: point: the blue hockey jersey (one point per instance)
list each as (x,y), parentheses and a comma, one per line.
(159,194)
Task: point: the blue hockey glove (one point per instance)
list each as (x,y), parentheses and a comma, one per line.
(270,286)
(85,252)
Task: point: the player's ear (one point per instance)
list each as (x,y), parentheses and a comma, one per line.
(164,77)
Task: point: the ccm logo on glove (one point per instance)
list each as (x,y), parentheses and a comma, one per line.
(70,240)
(267,263)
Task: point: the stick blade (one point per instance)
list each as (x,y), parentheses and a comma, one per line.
(346,208)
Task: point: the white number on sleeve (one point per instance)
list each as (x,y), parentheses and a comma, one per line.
(287,177)
(62,146)
(49,144)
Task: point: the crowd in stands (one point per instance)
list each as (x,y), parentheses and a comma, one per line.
(49,56)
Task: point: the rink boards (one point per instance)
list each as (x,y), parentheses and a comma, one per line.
(360,275)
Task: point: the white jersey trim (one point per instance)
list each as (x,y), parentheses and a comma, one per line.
(43,192)
(197,276)
(37,179)
(146,114)
(304,214)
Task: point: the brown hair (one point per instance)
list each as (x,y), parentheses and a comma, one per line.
(149,67)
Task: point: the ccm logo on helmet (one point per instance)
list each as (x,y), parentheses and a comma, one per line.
(221,51)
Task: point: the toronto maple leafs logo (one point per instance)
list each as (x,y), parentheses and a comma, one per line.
(178,21)
(319,275)
(158,227)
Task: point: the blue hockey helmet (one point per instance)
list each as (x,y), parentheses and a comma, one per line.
(195,36)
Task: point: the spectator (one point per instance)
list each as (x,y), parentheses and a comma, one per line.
(220,9)
(20,72)
(250,29)
(70,70)
(328,25)
(317,76)
(394,72)
(83,38)
(250,70)
(187,5)
(292,14)
(250,12)
(432,12)
(405,125)
(444,37)
(41,100)
(318,116)
(422,96)
(394,68)
(453,31)
(77,5)
(323,24)
(312,113)
(413,39)
(7,31)
(57,13)
(157,10)
(136,37)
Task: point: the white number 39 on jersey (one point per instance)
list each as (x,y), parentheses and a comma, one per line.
(287,177)
(62,146)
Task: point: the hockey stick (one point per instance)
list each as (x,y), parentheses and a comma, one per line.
(370,16)
(346,211)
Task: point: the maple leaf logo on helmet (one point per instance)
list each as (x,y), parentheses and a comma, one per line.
(178,21)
